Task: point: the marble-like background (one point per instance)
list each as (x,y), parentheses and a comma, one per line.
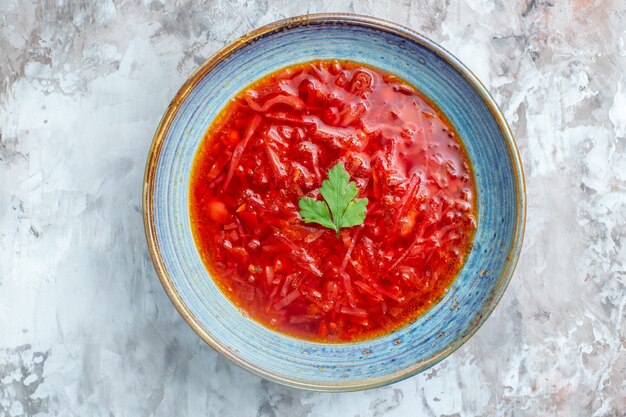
(85,327)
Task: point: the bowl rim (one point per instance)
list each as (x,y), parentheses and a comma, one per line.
(285,24)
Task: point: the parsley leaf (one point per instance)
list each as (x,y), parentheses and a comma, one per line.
(340,208)
(313,211)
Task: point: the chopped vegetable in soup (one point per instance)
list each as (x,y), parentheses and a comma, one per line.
(332,201)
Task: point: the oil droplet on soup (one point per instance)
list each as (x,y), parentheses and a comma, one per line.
(274,143)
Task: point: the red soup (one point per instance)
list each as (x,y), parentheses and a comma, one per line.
(272,147)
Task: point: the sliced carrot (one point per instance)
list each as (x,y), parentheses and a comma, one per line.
(241,146)
(288,299)
(355,238)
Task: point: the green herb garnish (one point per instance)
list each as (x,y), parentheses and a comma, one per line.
(339,194)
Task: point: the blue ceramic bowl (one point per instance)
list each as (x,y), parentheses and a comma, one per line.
(350,366)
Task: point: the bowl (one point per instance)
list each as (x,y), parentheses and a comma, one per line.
(345,366)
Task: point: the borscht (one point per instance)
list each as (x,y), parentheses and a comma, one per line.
(332,201)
